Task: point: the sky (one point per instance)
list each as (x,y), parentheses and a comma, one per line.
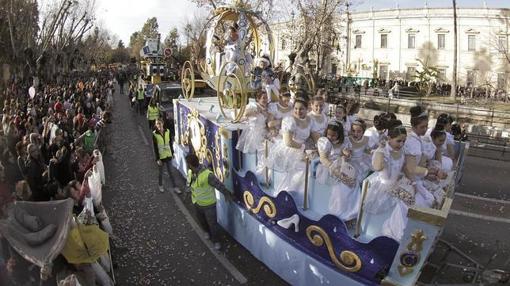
(123,17)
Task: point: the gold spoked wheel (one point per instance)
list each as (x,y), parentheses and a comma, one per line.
(188,80)
(232,93)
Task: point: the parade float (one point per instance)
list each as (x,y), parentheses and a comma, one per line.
(303,244)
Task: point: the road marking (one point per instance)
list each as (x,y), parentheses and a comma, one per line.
(482,198)
(222,259)
(482,217)
(145,141)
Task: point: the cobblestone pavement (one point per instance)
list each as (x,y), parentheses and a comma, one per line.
(154,244)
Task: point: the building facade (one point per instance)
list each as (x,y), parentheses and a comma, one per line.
(391,43)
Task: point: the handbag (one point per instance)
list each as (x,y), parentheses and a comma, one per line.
(346,173)
(404,191)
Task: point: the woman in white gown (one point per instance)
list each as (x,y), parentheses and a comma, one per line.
(444,122)
(360,158)
(287,155)
(415,163)
(384,192)
(333,149)
(341,115)
(319,119)
(277,111)
(252,138)
(435,159)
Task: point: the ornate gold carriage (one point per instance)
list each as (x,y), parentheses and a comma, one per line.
(227,65)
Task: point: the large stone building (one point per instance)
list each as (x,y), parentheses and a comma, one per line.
(388,44)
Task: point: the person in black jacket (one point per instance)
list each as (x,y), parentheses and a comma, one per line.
(34,173)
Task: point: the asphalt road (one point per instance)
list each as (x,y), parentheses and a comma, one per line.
(486,178)
(155,244)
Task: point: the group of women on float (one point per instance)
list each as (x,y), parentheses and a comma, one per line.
(410,166)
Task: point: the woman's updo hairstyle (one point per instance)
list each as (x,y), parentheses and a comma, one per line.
(444,119)
(418,115)
(438,131)
(395,128)
(381,121)
(337,127)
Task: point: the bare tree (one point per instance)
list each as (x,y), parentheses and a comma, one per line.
(315,32)
(63,27)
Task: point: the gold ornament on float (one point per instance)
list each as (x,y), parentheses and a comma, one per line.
(265,202)
(349,261)
(411,256)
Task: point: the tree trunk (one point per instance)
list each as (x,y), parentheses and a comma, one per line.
(453,92)
(11,32)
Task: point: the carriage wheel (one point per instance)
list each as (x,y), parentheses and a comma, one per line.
(188,80)
(231,92)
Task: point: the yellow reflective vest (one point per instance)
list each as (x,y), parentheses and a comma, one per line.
(163,144)
(152,112)
(202,193)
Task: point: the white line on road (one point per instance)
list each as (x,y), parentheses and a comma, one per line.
(482,217)
(224,261)
(482,198)
(145,141)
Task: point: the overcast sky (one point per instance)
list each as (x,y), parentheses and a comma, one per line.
(123,17)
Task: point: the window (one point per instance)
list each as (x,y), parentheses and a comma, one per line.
(358,42)
(502,81)
(384,41)
(383,72)
(470,78)
(441,41)
(284,44)
(411,72)
(441,75)
(411,41)
(502,44)
(471,43)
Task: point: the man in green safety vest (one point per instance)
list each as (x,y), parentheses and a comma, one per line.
(161,139)
(140,99)
(152,112)
(203,183)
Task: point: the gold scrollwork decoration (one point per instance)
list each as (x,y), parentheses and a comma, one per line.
(265,202)
(349,261)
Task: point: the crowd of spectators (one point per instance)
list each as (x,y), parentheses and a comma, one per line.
(47,141)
